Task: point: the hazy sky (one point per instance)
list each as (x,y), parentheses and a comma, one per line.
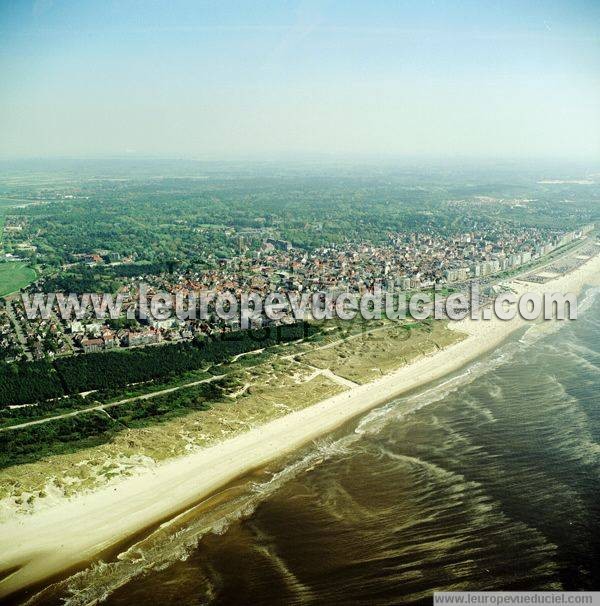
(228,79)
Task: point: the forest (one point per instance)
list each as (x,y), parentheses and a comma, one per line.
(134,223)
(94,428)
(30,382)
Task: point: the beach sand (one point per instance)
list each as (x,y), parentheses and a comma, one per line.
(37,546)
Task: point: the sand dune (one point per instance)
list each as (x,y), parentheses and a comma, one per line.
(35,547)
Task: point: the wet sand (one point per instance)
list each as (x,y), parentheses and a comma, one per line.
(38,546)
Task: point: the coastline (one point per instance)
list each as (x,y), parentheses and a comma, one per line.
(38,546)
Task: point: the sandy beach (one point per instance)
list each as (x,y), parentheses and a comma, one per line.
(38,546)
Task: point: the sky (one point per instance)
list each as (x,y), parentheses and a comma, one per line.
(197,79)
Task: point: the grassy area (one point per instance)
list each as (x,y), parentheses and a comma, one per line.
(14,275)
(83,452)
(366,358)
(93,428)
(2,219)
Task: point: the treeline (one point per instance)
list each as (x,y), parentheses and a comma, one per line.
(81,280)
(55,406)
(26,382)
(61,436)
(132,270)
(30,382)
(58,437)
(102,278)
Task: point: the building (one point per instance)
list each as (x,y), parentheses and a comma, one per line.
(91,345)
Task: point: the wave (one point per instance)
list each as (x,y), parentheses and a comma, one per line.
(179,537)
(377,419)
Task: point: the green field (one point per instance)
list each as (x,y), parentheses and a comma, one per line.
(13,276)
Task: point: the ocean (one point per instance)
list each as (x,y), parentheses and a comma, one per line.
(487,480)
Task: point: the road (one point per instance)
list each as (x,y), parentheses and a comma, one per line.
(80,411)
(18,330)
(216,377)
(154,394)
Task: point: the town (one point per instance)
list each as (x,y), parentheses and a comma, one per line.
(407,261)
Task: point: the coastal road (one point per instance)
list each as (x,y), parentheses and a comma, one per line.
(288,357)
(154,394)
(74,531)
(80,411)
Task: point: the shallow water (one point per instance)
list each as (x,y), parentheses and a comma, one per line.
(488,480)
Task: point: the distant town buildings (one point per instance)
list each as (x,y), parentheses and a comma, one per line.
(407,261)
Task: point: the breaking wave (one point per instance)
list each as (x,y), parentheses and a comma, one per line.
(178,538)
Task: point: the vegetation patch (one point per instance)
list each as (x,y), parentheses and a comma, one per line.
(15,275)
(30,382)
(93,428)
(373,354)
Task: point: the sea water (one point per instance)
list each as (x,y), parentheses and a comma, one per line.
(487,480)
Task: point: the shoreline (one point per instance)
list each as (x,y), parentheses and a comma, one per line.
(42,545)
